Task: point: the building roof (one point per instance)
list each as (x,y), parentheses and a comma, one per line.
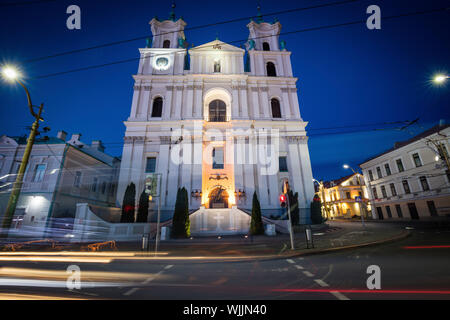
(336,182)
(400,144)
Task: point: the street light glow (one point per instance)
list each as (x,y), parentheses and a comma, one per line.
(10,73)
(440,78)
(346,166)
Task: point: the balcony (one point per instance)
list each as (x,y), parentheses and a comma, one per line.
(217,118)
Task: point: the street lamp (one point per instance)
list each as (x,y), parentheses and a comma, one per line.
(346,166)
(440,78)
(324,201)
(12,75)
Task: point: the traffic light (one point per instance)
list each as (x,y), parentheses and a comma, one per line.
(282,200)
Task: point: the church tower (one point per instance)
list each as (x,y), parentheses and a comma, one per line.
(221,127)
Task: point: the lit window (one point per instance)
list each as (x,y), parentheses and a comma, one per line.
(217,155)
(39,172)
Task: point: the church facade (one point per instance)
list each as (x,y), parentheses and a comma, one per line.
(221,121)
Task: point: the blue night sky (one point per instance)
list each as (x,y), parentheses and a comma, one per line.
(348,76)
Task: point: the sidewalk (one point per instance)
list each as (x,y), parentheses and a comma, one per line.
(331,236)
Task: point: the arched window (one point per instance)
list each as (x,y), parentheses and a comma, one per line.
(217,111)
(276,110)
(271,71)
(217,66)
(157,107)
(166,44)
(266,46)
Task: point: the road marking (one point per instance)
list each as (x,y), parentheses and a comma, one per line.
(321,283)
(148,280)
(168,266)
(299,267)
(339,295)
(308,274)
(290,260)
(131,291)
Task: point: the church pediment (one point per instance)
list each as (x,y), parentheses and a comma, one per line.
(215,45)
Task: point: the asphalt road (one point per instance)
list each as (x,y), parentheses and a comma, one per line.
(406,273)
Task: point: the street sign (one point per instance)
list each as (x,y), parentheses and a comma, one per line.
(358,199)
(152,184)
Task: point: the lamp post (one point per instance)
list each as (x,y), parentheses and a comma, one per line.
(12,75)
(440,78)
(346,166)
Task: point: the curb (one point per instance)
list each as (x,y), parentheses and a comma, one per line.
(402,236)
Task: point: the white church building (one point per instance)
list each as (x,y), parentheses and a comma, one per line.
(221,121)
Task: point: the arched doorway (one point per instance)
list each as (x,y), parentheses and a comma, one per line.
(218,198)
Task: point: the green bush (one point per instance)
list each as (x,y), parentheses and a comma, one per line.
(142,214)
(256,224)
(180,221)
(128,204)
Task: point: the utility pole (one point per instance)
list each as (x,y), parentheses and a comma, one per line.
(17,186)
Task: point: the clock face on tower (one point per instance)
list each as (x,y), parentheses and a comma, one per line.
(161,63)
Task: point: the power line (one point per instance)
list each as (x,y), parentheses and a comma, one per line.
(188,29)
(21,3)
(240,41)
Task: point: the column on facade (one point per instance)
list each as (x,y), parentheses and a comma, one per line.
(286,106)
(295,167)
(142,112)
(249,170)
(197,166)
(235,102)
(288,65)
(187,164)
(261,150)
(294,103)
(255,102)
(239,160)
(167,107)
(272,177)
(243,100)
(135,101)
(178,101)
(163,167)
(189,89)
(280,69)
(173,173)
(198,104)
(264,104)
(305,163)
(137,164)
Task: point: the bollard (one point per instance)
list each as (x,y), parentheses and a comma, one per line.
(309,237)
(144,242)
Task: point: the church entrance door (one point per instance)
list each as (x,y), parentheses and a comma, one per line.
(218,198)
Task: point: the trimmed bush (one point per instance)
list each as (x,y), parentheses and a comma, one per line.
(128,204)
(256,224)
(142,214)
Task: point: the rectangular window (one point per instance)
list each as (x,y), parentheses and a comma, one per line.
(103,187)
(374,191)
(217,155)
(443,153)
(39,172)
(406,186)
(416,159)
(370,175)
(393,190)
(400,165)
(282,162)
(383,191)
(424,183)
(379,173)
(388,210)
(150,166)
(432,208)
(94,185)
(77,181)
(399,211)
(388,169)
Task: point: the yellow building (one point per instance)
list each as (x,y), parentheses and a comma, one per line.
(339,200)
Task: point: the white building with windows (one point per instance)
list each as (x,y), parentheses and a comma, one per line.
(411,180)
(60,173)
(221,121)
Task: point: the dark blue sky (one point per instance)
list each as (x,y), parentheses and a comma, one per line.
(348,76)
